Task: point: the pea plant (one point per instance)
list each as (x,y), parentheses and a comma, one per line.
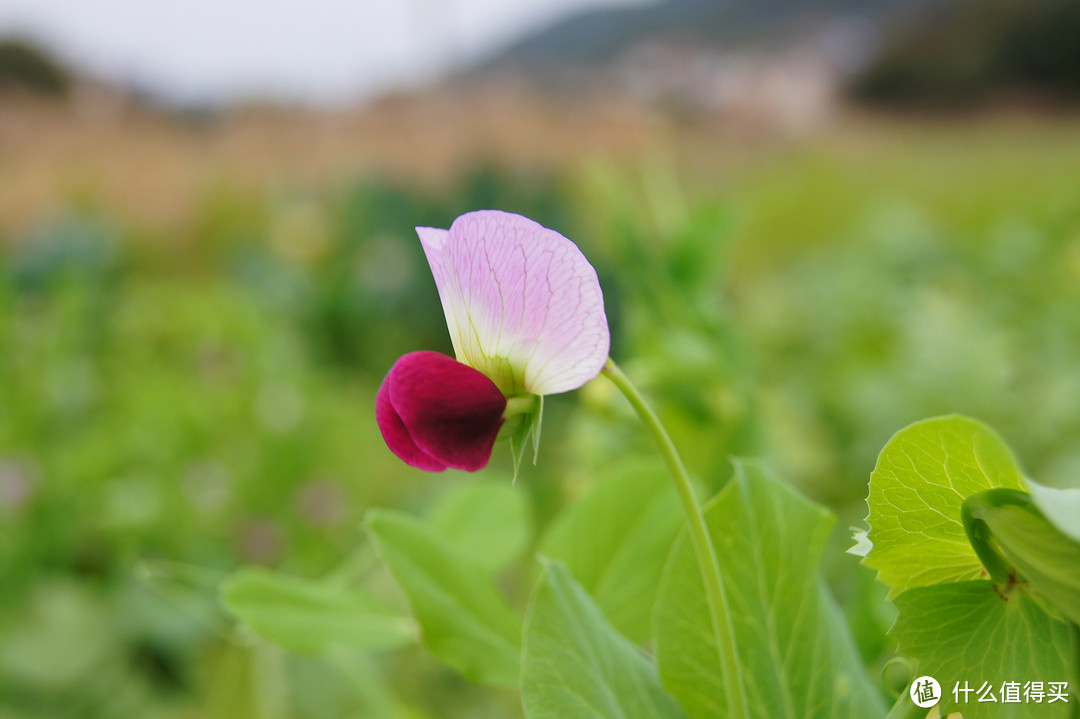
(648,599)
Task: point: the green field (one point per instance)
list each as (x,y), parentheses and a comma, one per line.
(177,403)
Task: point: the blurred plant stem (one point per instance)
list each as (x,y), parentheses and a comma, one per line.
(904,708)
(723,628)
(364,679)
(152,572)
(271,681)
(189,589)
(353,567)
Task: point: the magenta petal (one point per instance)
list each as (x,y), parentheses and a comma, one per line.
(435,412)
(396,435)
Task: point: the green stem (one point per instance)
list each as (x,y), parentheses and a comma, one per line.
(723,628)
(355,565)
(904,708)
(972,513)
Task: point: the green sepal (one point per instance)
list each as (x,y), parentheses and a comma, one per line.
(526,431)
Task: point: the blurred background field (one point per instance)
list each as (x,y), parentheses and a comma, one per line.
(198,302)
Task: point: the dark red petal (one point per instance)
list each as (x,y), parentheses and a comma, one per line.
(451,412)
(397,436)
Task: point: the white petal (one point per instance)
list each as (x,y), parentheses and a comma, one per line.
(522,303)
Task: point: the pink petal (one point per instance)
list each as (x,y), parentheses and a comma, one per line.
(522,303)
(435,412)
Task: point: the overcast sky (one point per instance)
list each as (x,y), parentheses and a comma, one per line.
(309,50)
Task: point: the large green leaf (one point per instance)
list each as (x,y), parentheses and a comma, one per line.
(615,540)
(307,616)
(488,522)
(796,653)
(967,632)
(575,665)
(463,619)
(922,477)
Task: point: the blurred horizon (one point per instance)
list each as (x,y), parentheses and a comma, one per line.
(788,64)
(320,53)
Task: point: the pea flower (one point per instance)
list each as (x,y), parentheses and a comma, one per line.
(526,319)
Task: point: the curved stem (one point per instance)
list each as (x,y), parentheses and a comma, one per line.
(904,708)
(972,513)
(723,628)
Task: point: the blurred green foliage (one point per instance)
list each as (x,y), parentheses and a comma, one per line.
(172,408)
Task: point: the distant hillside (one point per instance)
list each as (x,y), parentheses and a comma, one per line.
(598,37)
(26,66)
(910,52)
(971,51)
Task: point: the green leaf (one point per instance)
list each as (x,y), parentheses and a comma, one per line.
(1060,506)
(966,632)
(487,522)
(1041,554)
(575,665)
(312,617)
(615,540)
(463,619)
(795,650)
(922,477)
